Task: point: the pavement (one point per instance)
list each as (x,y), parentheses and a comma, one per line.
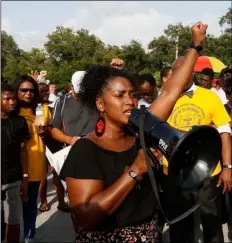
(56,226)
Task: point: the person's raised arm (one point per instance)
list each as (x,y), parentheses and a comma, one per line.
(163,105)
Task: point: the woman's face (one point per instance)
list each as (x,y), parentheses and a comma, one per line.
(26,92)
(118,100)
(44,92)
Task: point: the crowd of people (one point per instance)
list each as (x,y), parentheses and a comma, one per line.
(109,191)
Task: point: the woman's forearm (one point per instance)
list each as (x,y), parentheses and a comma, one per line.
(105,202)
(174,87)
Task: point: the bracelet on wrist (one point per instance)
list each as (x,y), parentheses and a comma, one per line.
(227,166)
(134,175)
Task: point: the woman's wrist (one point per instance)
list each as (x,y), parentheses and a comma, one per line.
(136,169)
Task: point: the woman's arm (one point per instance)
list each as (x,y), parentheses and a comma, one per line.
(90,202)
(163,105)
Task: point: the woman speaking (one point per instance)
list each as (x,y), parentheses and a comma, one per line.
(109,190)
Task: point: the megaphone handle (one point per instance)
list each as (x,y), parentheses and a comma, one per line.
(151,174)
(153,158)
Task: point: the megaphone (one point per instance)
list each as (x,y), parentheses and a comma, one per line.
(192,156)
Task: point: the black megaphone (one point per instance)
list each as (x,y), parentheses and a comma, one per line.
(192,156)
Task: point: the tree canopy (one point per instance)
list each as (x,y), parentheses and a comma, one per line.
(67,51)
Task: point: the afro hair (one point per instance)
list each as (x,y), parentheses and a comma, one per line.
(96,79)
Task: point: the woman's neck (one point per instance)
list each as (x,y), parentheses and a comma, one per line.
(114,132)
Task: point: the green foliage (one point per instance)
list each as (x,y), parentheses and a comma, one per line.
(67,51)
(10,55)
(227,20)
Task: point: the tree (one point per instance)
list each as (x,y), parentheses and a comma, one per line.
(32,60)
(65,44)
(227,20)
(224,49)
(134,56)
(69,51)
(163,48)
(10,55)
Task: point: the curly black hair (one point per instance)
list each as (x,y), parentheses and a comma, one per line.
(96,79)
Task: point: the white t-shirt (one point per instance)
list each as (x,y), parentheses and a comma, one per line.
(143,102)
(52,98)
(221,94)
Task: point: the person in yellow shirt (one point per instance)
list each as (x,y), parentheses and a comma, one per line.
(27,101)
(199,106)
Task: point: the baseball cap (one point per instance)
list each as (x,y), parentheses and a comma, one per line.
(41,80)
(76,80)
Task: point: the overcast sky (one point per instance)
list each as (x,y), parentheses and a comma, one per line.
(114,22)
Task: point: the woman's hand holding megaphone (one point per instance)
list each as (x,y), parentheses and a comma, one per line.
(139,166)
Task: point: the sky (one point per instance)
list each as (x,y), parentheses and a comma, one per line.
(115,22)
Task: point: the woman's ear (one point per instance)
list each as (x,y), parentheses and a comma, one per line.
(100,104)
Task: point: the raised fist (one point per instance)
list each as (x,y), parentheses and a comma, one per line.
(117,63)
(199,33)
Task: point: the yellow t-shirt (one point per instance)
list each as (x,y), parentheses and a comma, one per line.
(204,108)
(35,146)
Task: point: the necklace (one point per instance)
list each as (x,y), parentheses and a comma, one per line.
(111,137)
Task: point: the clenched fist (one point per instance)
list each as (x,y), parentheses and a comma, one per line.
(199,33)
(117,63)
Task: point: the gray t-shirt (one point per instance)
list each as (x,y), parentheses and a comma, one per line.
(72,117)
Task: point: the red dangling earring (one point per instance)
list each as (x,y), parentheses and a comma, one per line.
(100,126)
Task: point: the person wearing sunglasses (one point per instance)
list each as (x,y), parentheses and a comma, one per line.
(27,95)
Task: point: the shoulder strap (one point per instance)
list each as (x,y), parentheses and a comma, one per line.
(151,174)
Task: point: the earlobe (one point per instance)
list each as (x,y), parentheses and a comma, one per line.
(100,104)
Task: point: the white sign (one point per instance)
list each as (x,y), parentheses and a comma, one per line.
(57,159)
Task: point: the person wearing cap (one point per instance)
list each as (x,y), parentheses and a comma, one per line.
(71,120)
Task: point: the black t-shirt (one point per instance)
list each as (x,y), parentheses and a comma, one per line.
(72,117)
(14,131)
(87,160)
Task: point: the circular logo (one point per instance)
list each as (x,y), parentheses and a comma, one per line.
(186,116)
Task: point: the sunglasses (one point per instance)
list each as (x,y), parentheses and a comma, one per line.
(25,90)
